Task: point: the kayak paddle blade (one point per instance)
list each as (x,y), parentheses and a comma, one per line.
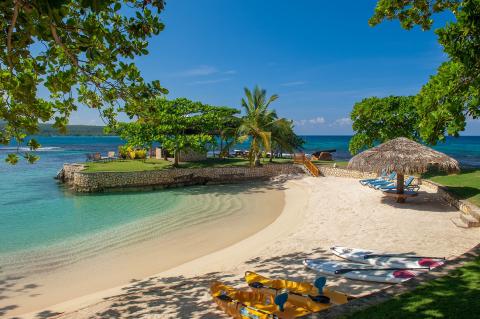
(280,301)
(320,283)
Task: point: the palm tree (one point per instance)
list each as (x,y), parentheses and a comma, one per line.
(263,126)
(256,122)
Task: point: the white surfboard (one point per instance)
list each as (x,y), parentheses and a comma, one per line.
(386,259)
(360,271)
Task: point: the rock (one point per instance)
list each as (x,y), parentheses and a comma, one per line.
(325,156)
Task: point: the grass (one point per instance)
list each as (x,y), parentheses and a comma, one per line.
(155,164)
(127,165)
(465,185)
(341,164)
(456,295)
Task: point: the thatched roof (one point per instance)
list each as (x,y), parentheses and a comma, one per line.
(403,156)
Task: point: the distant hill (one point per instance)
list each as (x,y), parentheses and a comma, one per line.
(75,130)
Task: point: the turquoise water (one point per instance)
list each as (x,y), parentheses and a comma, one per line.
(35,211)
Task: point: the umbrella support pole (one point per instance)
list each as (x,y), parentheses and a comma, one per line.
(400,188)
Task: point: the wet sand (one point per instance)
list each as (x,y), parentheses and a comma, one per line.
(35,286)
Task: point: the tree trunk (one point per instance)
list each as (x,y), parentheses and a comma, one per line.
(256,161)
(400,187)
(176,158)
(221,148)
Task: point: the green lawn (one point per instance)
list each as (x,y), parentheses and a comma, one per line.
(127,165)
(154,164)
(465,185)
(342,164)
(456,295)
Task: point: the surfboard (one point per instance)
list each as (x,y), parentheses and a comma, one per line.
(358,271)
(390,260)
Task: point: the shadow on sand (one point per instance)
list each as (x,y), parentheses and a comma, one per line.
(188,297)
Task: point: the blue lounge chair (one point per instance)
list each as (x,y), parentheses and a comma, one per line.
(367,181)
(407,185)
(386,181)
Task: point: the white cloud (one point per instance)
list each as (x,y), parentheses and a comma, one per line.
(317,120)
(201,70)
(212,81)
(293,83)
(344,121)
(314,121)
(204,70)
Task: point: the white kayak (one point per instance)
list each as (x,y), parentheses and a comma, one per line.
(389,260)
(361,271)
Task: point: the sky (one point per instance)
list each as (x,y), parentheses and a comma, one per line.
(320,57)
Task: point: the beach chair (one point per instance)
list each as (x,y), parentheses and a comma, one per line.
(382,176)
(407,185)
(111,156)
(385,181)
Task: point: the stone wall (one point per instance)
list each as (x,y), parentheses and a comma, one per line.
(343,172)
(110,181)
(68,170)
(462,205)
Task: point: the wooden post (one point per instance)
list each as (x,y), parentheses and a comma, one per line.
(400,186)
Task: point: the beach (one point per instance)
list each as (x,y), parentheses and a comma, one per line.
(317,214)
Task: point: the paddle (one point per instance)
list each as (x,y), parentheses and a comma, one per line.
(398,255)
(280,301)
(319,284)
(226,298)
(346,270)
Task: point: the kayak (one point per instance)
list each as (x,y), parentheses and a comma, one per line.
(387,259)
(359,271)
(249,304)
(315,297)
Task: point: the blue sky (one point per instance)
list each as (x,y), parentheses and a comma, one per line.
(320,57)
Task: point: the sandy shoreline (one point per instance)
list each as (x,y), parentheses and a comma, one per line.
(25,290)
(318,213)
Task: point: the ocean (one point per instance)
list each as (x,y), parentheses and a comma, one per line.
(36,211)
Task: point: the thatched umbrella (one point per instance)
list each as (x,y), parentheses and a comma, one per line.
(402,156)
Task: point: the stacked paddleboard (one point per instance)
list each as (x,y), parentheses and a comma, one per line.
(374,266)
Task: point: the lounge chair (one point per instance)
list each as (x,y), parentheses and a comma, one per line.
(384,181)
(379,178)
(407,185)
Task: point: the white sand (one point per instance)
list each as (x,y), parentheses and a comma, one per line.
(319,213)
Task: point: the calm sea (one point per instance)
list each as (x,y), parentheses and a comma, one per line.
(36,211)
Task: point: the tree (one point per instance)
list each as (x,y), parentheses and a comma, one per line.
(80,53)
(453,94)
(376,120)
(255,123)
(262,125)
(284,138)
(177,125)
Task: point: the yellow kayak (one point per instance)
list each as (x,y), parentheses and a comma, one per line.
(255,304)
(300,293)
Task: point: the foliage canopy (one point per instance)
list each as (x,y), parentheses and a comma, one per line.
(453,94)
(78,52)
(377,120)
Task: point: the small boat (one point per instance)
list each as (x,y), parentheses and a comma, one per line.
(248,304)
(387,259)
(316,297)
(363,272)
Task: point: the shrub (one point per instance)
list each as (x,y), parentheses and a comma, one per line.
(141,154)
